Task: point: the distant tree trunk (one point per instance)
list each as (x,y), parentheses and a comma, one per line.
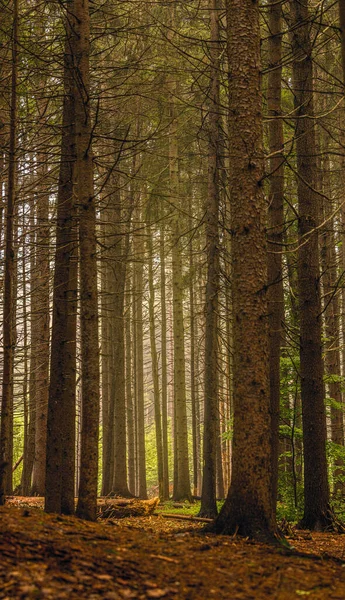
(6,434)
(87,499)
(154,361)
(29,442)
(60,454)
(331,311)
(248,508)
(106,351)
(139,370)
(182,481)
(193,372)
(316,490)
(276,222)
(129,392)
(25,364)
(118,256)
(42,297)
(164,377)
(211,405)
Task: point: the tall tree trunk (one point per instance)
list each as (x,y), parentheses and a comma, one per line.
(139,349)
(6,435)
(276,222)
(119,255)
(248,508)
(87,499)
(154,361)
(193,372)
(29,443)
(42,296)
(164,377)
(331,311)
(129,392)
(211,407)
(316,491)
(60,453)
(106,349)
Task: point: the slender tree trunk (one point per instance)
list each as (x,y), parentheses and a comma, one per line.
(164,376)
(106,360)
(154,360)
(29,452)
(331,311)
(276,222)
(193,374)
(211,406)
(6,436)
(316,491)
(42,296)
(139,334)
(87,499)
(129,393)
(120,484)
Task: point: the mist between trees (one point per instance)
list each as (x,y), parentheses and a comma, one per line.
(171,229)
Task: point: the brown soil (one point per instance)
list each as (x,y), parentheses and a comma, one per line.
(51,557)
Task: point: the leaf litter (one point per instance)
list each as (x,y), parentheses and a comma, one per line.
(54,557)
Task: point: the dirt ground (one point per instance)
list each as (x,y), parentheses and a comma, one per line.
(52,557)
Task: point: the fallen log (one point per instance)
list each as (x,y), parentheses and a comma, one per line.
(120,508)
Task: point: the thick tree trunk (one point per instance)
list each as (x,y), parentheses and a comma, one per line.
(316,491)
(248,508)
(60,454)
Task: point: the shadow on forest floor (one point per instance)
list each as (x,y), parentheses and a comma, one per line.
(52,557)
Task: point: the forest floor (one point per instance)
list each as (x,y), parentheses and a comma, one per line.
(53,557)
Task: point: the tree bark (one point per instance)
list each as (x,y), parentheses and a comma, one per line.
(87,499)
(276,223)
(6,436)
(316,490)
(248,508)
(211,405)
(60,453)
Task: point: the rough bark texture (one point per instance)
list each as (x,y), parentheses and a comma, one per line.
(42,296)
(6,436)
(211,418)
(87,499)
(276,222)
(316,491)
(60,455)
(248,507)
